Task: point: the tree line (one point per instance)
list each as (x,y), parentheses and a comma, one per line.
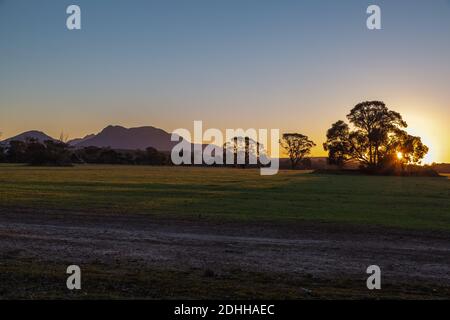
(58,153)
(374,137)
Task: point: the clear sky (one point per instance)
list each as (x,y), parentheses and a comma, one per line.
(293,65)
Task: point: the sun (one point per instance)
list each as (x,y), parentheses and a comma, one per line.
(399,155)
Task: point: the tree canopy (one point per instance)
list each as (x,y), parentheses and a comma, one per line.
(297,145)
(244,150)
(376,138)
(58,153)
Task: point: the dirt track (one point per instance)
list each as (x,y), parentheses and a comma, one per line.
(320,251)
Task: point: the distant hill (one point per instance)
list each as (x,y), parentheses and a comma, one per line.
(118,137)
(34,134)
(76,141)
(115,137)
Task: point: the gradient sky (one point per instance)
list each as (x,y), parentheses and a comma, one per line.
(293,65)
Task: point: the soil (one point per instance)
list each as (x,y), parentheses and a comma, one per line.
(323,258)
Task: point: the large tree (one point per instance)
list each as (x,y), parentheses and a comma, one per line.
(377,137)
(297,146)
(245,149)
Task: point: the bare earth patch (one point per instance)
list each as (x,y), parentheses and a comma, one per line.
(145,257)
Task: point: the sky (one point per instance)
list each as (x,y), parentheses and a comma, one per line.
(297,66)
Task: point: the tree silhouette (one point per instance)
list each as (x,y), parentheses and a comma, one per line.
(297,145)
(63,137)
(377,138)
(245,148)
(2,151)
(338,144)
(16,152)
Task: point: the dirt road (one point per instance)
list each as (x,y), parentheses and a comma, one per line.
(311,260)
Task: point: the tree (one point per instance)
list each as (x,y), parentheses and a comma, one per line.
(109,156)
(377,138)
(33,152)
(244,150)
(54,153)
(88,154)
(2,151)
(338,144)
(36,153)
(16,151)
(2,154)
(155,157)
(63,137)
(297,145)
(58,153)
(405,149)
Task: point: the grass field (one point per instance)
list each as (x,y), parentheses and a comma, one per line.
(214,233)
(215,193)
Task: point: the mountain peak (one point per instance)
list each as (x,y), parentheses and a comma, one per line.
(113,127)
(119,137)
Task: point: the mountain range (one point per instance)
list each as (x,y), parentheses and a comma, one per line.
(115,137)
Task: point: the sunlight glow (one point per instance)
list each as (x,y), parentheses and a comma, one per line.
(429,128)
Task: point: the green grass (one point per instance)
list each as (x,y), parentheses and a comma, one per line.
(216,193)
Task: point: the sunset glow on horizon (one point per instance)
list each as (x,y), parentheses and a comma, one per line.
(297,67)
